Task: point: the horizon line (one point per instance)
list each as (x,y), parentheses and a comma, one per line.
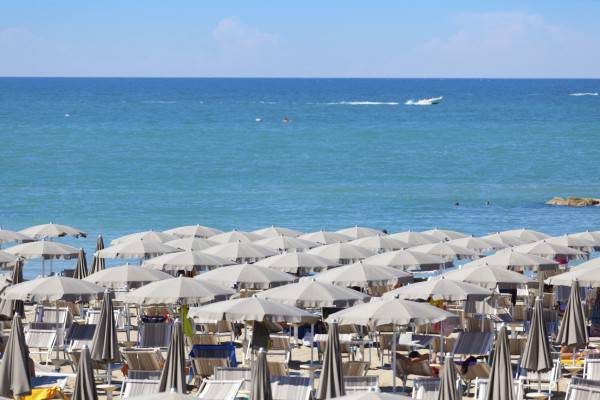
(287,77)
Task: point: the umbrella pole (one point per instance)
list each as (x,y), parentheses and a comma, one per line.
(312,342)
(441,342)
(58,332)
(108,372)
(43,268)
(394,340)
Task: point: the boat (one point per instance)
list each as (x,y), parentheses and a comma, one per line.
(425,102)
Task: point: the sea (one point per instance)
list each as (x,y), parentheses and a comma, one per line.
(118,155)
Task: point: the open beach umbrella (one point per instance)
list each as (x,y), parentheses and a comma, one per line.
(331,381)
(173,373)
(527,235)
(277,231)
(235,236)
(136,248)
(536,355)
(357,232)
(309,293)
(446,250)
(476,244)
(191,243)
(297,263)
(414,238)
(504,240)
(15,379)
(126,276)
(380,243)
(149,236)
(592,236)
(488,277)
(97,262)
(261,378)
(7,236)
(246,276)
(325,237)
(500,386)
(44,250)
(54,288)
(448,389)
(573,327)
(587,274)
(543,248)
(8,308)
(7,259)
(574,242)
(440,289)
(241,252)
(81,270)
(193,231)
(513,260)
(186,261)
(51,230)
(364,275)
(105,346)
(178,291)
(344,253)
(85,386)
(445,234)
(286,243)
(409,260)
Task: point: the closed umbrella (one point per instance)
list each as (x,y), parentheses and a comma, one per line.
(81,270)
(440,289)
(8,308)
(173,373)
(126,276)
(44,250)
(105,347)
(297,263)
(261,379)
(149,236)
(277,231)
(364,275)
(526,235)
(357,232)
(326,237)
(536,355)
(488,277)
(414,238)
(500,386)
(247,276)
(409,260)
(51,230)
(573,327)
(286,243)
(15,379)
(180,291)
(85,386)
(191,243)
(136,248)
(344,253)
(186,261)
(194,231)
(380,243)
(7,236)
(98,262)
(331,381)
(235,236)
(586,274)
(445,234)
(448,389)
(241,252)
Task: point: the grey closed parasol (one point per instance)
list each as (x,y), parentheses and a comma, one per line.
(573,329)
(331,382)
(536,355)
(15,379)
(85,386)
(98,263)
(105,347)
(448,389)
(81,270)
(261,380)
(500,385)
(173,373)
(8,308)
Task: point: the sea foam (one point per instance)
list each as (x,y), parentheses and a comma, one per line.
(365,103)
(584,94)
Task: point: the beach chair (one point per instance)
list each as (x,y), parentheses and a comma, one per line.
(549,380)
(591,367)
(481,386)
(473,343)
(355,368)
(219,390)
(291,388)
(278,368)
(583,389)
(473,372)
(79,335)
(280,345)
(426,388)
(202,338)
(42,340)
(154,334)
(367,383)
(49,314)
(234,374)
(203,367)
(405,367)
(49,385)
(132,387)
(143,360)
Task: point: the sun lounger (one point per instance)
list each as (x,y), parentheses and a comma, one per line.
(131,388)
(42,340)
(202,338)
(355,368)
(291,388)
(219,390)
(154,334)
(426,388)
(368,383)
(234,374)
(280,345)
(143,359)
(481,386)
(473,343)
(591,367)
(405,367)
(583,389)
(548,379)
(203,367)
(278,368)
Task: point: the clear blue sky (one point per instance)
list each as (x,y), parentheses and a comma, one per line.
(387,38)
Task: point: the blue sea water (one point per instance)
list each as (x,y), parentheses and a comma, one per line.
(114,156)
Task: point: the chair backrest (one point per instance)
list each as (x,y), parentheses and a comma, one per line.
(205,366)
(473,343)
(143,360)
(222,390)
(80,332)
(291,388)
(137,374)
(474,371)
(155,334)
(280,342)
(579,389)
(355,368)
(138,387)
(517,345)
(406,366)
(49,314)
(202,338)
(278,368)
(426,388)
(368,383)
(233,374)
(591,367)
(39,338)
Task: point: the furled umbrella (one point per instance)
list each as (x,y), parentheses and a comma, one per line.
(8,308)
(445,234)
(536,355)
(105,346)
(98,262)
(52,230)
(500,385)
(573,329)
(331,381)
(408,260)
(186,261)
(261,379)
(180,291)
(276,231)
(85,385)
(15,377)
(448,389)
(194,231)
(357,232)
(44,250)
(173,373)
(81,270)
(247,276)
(297,263)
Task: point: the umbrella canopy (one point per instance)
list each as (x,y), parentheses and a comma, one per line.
(543,248)
(511,259)
(97,262)
(179,291)
(191,243)
(325,237)
(357,232)
(286,243)
(44,249)
(7,236)
(409,260)
(136,248)
(364,275)
(504,240)
(593,237)
(478,245)
(526,235)
(235,236)
(380,243)
(445,234)
(7,259)
(173,373)
(536,355)
(15,379)
(574,242)
(390,312)
(586,274)
(148,236)
(81,270)
(8,308)
(126,275)
(54,288)
(331,382)
(277,231)
(193,230)
(52,230)
(241,252)
(488,277)
(309,293)
(446,250)
(105,347)
(573,327)
(344,253)
(448,389)
(414,238)
(187,261)
(261,378)
(85,386)
(297,263)
(440,289)
(247,276)
(251,309)
(500,386)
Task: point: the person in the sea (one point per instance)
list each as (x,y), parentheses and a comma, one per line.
(286,120)
(456,204)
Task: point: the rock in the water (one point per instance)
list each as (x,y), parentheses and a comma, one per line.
(574,201)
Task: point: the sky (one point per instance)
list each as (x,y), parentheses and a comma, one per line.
(333,38)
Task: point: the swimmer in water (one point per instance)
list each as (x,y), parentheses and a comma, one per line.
(286,120)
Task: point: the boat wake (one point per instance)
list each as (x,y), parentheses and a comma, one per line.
(424,102)
(365,103)
(584,94)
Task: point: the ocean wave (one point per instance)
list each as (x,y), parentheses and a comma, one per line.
(159,101)
(584,94)
(267,102)
(365,103)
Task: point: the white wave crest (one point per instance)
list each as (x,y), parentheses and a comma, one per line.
(159,101)
(584,94)
(365,103)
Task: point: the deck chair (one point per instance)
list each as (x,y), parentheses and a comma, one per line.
(219,390)
(280,345)
(278,368)
(426,388)
(42,340)
(406,367)
(291,388)
(579,389)
(138,387)
(234,374)
(201,338)
(79,335)
(154,334)
(517,345)
(143,363)
(203,367)
(48,314)
(473,343)
(591,367)
(481,387)
(368,383)
(49,385)
(548,379)
(473,372)
(355,368)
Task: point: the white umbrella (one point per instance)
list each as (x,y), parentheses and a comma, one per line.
(409,260)
(44,250)
(136,248)
(7,236)
(7,259)
(526,235)
(186,261)
(277,231)
(194,231)
(577,243)
(52,230)
(414,238)
(297,263)
(357,232)
(478,245)
(544,248)
(247,276)
(488,277)
(445,234)
(326,237)
(286,243)
(191,243)
(504,240)
(344,253)
(126,275)
(178,291)
(54,288)
(148,236)
(587,274)
(380,243)
(364,275)
(235,236)
(446,250)
(440,289)
(511,259)
(593,236)
(241,252)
